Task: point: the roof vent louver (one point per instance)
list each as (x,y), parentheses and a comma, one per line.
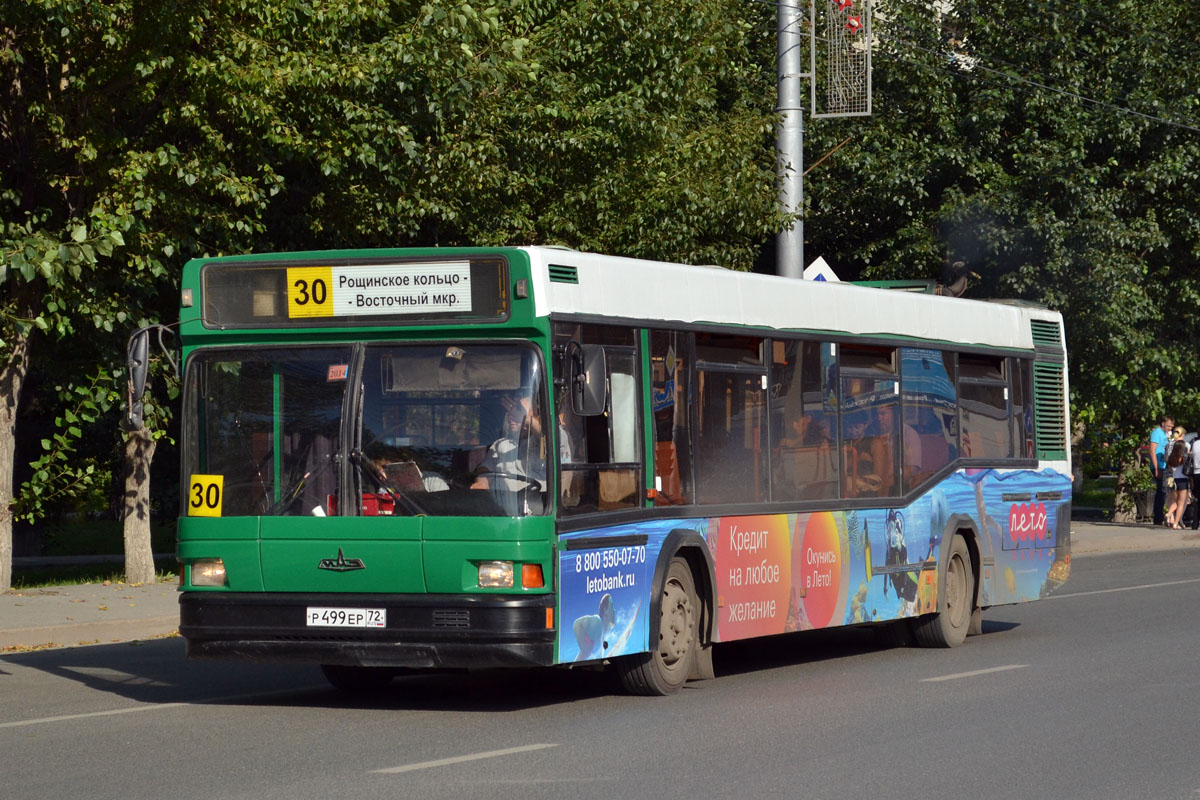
(1045,333)
(561,274)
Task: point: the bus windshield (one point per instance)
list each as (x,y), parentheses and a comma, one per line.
(443,430)
(458,428)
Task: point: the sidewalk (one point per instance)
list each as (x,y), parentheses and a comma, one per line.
(90,613)
(1092,538)
(67,616)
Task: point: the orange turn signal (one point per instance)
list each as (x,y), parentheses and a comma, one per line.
(531,576)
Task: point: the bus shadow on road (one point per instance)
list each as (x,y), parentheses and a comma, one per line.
(809,647)
(803,647)
(156,672)
(482,691)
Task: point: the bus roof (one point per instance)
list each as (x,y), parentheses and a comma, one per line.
(571,282)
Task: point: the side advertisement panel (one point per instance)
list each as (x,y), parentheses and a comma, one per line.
(605,578)
(788,572)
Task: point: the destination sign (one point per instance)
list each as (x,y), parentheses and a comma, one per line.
(382,291)
(348,291)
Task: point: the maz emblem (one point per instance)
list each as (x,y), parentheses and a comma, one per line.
(341,563)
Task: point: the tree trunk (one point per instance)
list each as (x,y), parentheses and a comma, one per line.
(1124,505)
(12,378)
(139,552)
(1078,431)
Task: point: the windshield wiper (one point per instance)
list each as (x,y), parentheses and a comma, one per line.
(296,486)
(401,499)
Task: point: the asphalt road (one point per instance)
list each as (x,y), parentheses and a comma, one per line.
(1090,694)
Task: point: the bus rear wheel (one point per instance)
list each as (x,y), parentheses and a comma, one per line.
(357,680)
(948,627)
(665,669)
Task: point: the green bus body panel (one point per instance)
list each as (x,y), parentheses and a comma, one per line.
(407,555)
(388,548)
(488,529)
(454,546)
(399,554)
(339,529)
(193,530)
(234,540)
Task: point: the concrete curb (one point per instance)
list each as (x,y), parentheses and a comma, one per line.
(85,633)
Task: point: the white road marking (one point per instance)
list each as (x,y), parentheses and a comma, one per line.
(152,707)
(67,717)
(441,762)
(973,673)
(1122,589)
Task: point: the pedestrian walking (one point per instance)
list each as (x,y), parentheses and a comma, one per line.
(1158,466)
(1192,468)
(1177,481)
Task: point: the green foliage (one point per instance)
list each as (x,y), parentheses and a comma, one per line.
(59,474)
(1054,149)
(1096,493)
(645,134)
(58,265)
(134,136)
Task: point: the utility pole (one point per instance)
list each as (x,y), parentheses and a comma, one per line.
(789,137)
(839,75)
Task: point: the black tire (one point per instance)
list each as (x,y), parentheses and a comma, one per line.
(948,627)
(357,680)
(665,669)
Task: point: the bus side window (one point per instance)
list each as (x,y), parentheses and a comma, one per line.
(870,432)
(671,359)
(805,458)
(983,407)
(930,433)
(1022,406)
(600,455)
(731,457)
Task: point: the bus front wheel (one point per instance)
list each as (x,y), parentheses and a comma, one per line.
(665,668)
(948,627)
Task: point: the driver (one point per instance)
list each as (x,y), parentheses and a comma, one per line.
(517,457)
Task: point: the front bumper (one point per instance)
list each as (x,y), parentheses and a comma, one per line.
(423,631)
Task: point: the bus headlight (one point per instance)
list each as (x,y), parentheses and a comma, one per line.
(208,572)
(496,574)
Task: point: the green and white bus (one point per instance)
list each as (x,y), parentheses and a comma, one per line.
(481,457)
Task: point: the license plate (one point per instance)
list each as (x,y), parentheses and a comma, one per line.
(347,617)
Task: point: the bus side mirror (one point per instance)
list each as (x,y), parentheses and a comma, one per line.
(587,379)
(137,366)
(137,369)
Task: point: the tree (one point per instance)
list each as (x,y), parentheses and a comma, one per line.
(1052,148)
(648,132)
(39,274)
(66,78)
(133,137)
